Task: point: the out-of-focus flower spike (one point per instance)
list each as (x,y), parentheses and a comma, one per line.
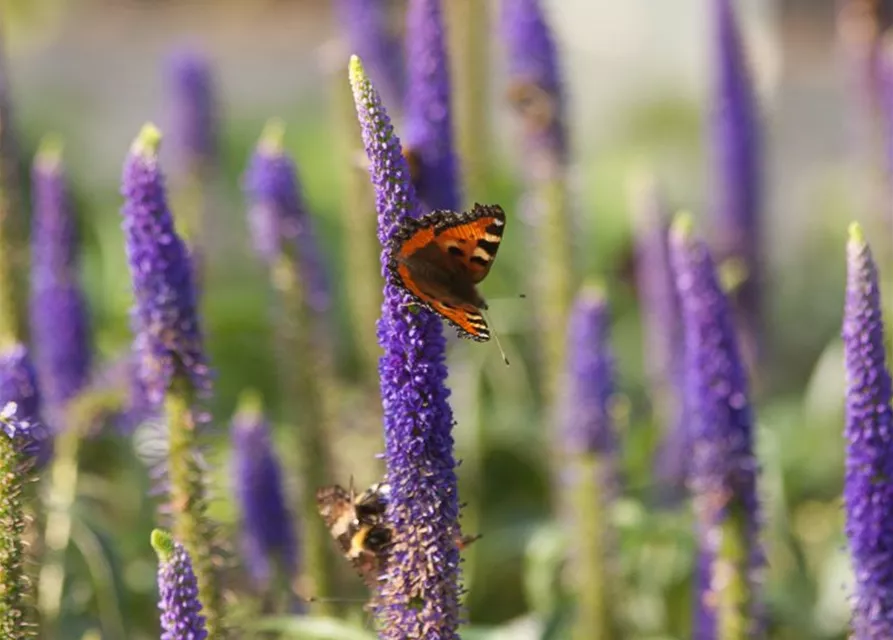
(419,596)
(723,477)
(868,494)
(60,327)
(181,610)
(429,123)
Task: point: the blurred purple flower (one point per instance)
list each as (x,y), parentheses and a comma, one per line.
(420,595)
(59,323)
(19,385)
(371,35)
(168,339)
(189,85)
(429,127)
(278,216)
(535,86)
(868,490)
(723,467)
(588,421)
(181,611)
(268,538)
(735,156)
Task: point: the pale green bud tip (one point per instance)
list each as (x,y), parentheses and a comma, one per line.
(163,544)
(49,152)
(857,236)
(355,71)
(683,225)
(148,140)
(272,137)
(251,403)
(594,289)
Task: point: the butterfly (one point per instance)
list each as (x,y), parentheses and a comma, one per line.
(439,258)
(357,523)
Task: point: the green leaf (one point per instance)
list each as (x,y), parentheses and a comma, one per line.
(312,628)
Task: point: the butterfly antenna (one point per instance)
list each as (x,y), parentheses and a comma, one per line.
(496,338)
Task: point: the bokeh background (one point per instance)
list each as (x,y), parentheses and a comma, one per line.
(637,80)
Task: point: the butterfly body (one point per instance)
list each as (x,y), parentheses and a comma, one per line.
(440,258)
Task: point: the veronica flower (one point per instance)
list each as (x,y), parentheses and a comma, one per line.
(868,488)
(181,610)
(735,154)
(193,109)
(268,538)
(169,346)
(59,323)
(20,442)
(419,596)
(723,467)
(19,385)
(429,126)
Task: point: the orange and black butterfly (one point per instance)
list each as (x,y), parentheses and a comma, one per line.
(439,259)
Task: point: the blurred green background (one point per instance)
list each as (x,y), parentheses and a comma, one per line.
(636,74)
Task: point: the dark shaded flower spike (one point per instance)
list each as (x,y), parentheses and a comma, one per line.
(723,476)
(170,351)
(60,327)
(181,611)
(868,486)
(429,124)
(419,595)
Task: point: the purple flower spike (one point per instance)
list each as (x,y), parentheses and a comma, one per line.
(535,84)
(59,322)
(735,154)
(168,337)
(181,611)
(723,467)
(193,110)
(419,596)
(370,33)
(868,489)
(429,128)
(588,422)
(278,216)
(19,385)
(268,537)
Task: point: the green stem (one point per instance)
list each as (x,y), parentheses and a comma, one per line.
(468,29)
(191,201)
(307,380)
(591,621)
(14,584)
(730,573)
(187,494)
(360,225)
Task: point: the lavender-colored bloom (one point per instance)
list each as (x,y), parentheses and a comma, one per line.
(420,595)
(868,489)
(190,92)
(168,338)
(278,216)
(535,83)
(268,537)
(723,467)
(59,323)
(181,611)
(735,155)
(370,34)
(590,382)
(19,385)
(429,127)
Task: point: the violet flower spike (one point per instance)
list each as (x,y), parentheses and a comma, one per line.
(181,611)
(419,596)
(429,126)
(19,385)
(268,538)
(868,491)
(723,478)
(278,217)
(193,109)
(59,321)
(735,153)
(165,316)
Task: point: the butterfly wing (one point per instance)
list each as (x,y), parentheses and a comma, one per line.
(336,506)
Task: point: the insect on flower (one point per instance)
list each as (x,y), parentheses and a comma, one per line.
(439,258)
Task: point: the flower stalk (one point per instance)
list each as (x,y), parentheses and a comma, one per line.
(181,608)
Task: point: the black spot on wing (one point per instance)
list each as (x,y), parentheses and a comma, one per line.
(456,251)
(481,261)
(489,247)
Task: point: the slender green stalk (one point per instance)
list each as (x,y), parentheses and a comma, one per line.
(592,621)
(359,225)
(14,584)
(190,204)
(188,501)
(307,381)
(729,579)
(469,42)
